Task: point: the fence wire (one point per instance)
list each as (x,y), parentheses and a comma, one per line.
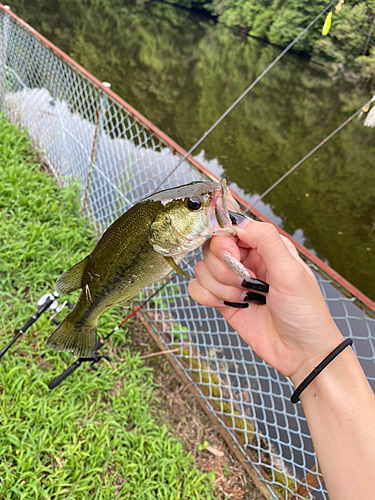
(84,133)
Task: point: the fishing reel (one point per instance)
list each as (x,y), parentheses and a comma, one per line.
(49,302)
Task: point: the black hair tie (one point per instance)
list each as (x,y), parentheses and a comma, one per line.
(296,394)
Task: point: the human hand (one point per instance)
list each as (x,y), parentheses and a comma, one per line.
(294,330)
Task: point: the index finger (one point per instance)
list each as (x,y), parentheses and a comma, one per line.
(265,239)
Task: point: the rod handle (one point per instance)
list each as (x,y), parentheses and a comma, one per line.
(68,371)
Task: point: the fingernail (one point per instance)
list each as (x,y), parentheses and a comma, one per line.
(235,218)
(255,298)
(255,284)
(245,222)
(237,305)
(235,265)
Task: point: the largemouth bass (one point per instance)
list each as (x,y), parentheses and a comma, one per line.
(142,246)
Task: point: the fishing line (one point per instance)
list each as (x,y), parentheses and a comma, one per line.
(250,87)
(288,172)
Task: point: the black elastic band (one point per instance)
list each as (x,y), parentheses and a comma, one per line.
(296,394)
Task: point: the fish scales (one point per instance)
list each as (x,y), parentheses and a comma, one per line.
(125,271)
(120,273)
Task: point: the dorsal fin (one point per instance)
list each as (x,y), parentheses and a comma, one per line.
(72,279)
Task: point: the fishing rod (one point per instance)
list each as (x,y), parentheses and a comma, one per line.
(46,302)
(249,88)
(318,146)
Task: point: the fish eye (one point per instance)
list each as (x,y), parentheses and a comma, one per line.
(193,204)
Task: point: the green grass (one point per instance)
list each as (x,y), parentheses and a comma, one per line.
(91,437)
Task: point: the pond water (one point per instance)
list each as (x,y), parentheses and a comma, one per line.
(182,70)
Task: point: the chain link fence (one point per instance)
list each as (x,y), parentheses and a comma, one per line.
(84,131)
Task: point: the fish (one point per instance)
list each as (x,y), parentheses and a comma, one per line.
(142,246)
(327,24)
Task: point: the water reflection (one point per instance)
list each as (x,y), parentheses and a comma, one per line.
(182,71)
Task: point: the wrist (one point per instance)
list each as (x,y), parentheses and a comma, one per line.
(332,380)
(318,370)
(314,359)
(339,406)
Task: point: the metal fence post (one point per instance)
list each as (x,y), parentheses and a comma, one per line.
(100,116)
(57,88)
(5,25)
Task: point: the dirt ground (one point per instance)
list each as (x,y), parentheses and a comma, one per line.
(186,419)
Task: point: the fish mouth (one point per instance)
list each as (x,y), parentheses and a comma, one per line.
(223,211)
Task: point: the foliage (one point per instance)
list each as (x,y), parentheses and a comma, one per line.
(338,52)
(203,446)
(291,18)
(91,437)
(253,16)
(278,21)
(367,64)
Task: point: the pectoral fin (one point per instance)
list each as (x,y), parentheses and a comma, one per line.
(72,279)
(175,267)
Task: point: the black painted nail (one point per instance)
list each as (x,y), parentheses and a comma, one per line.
(255,284)
(237,305)
(255,298)
(236,219)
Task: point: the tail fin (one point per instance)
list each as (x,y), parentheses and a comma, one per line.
(72,337)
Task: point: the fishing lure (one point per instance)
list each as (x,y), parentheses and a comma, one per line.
(327,24)
(370,118)
(338,6)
